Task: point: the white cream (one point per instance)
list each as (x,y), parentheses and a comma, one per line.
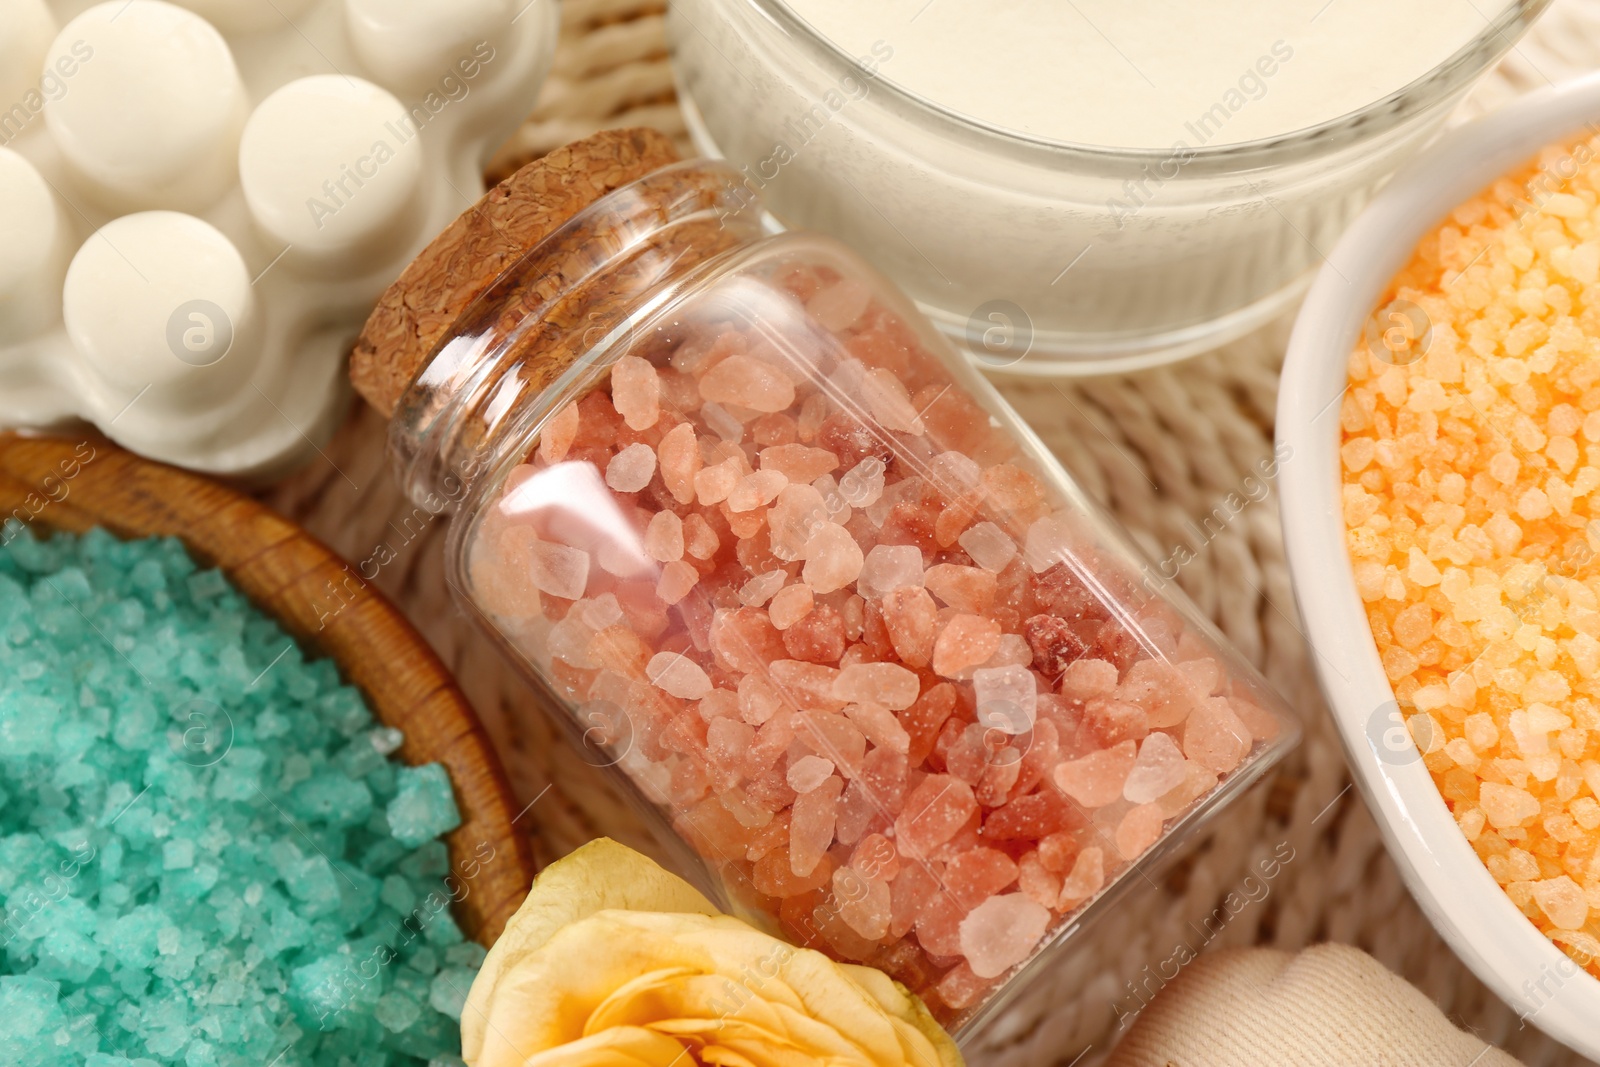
(1151,73)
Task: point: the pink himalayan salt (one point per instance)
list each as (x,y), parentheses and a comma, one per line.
(1202,676)
(1006,698)
(837,307)
(1037,882)
(631,469)
(699,539)
(1197,783)
(1002,932)
(760,589)
(967,589)
(759,699)
(794,516)
(1161,689)
(875,857)
(713,484)
(676,580)
(808,686)
(723,423)
(911,619)
(747,382)
(808,772)
(965,642)
(677,675)
(960,988)
(862,485)
(1109,721)
(1088,875)
(864,904)
(1159,769)
(833,558)
(1097,779)
(888,684)
(663,537)
(1214,737)
(811,822)
(879,725)
(890,403)
(727,741)
(556,436)
(989,546)
(555,569)
(755,490)
(1139,828)
(790,605)
(978,874)
(938,807)
(1049,541)
(679,455)
(890,567)
(636,392)
(1085,679)
(798,463)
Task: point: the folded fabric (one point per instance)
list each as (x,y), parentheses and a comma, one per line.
(1329,1005)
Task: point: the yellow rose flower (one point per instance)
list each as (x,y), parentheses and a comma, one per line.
(613,962)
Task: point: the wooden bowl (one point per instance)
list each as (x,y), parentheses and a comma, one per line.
(75,483)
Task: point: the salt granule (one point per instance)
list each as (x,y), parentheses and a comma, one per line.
(1159,769)
(679,675)
(1001,932)
(663,537)
(631,469)
(989,546)
(636,392)
(808,772)
(890,567)
(1006,698)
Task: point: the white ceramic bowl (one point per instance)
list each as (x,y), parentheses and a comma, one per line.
(1445,875)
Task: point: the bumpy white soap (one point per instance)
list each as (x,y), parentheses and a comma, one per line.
(33,244)
(330,165)
(152,296)
(419,43)
(26,29)
(152,117)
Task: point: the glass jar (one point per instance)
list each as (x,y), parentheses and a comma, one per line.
(1042,256)
(843,625)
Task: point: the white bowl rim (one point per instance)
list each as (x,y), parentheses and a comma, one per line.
(1443,872)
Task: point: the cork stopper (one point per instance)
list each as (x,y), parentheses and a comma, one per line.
(457,266)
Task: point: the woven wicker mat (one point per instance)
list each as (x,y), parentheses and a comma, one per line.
(1160,449)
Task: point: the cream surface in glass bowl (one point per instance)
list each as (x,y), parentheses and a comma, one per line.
(1439,866)
(1206,159)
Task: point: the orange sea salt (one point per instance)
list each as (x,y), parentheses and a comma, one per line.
(1471,460)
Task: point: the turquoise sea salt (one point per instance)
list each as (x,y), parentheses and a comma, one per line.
(207,856)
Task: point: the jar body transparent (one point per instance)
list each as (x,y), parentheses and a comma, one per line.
(780,558)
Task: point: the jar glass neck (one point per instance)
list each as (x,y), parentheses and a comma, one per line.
(555,317)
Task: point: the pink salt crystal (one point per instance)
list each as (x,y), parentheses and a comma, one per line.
(797,512)
(939,925)
(1006,698)
(811,825)
(1159,769)
(911,889)
(808,772)
(989,546)
(680,461)
(968,589)
(759,699)
(890,403)
(636,392)
(1109,721)
(862,485)
(879,725)
(1197,782)
(888,684)
(722,422)
(631,469)
(954,472)
(699,539)
(1012,652)
(864,904)
(808,686)
(890,567)
(966,641)
(876,858)
(911,618)
(556,436)
(676,580)
(1202,676)
(938,807)
(1214,737)
(677,674)
(1001,932)
(1160,689)
(833,559)
(1049,541)
(663,537)
(557,569)
(568,641)
(718,704)
(1087,876)
(790,605)
(978,874)
(759,590)
(747,382)
(1040,884)
(598,613)
(727,741)
(960,988)
(713,484)
(838,306)
(756,490)
(1085,679)
(1098,778)
(1262,724)
(799,463)
(1139,829)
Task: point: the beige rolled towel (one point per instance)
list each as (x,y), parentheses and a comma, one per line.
(1328,1006)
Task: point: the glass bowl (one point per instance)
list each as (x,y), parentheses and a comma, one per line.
(1006,242)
